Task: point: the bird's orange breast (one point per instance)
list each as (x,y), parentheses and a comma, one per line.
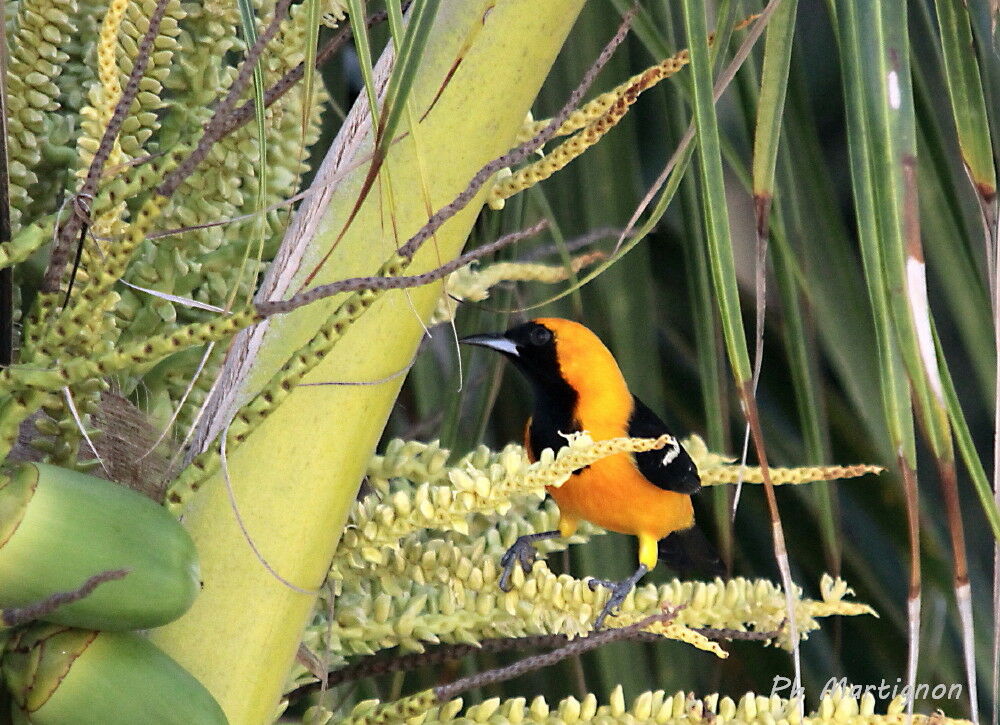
(611,493)
(614,495)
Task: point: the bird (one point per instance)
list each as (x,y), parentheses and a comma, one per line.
(577,385)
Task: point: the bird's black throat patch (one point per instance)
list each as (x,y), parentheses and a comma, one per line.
(552,418)
(555,399)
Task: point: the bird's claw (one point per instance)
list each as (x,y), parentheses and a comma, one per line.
(521,551)
(619,590)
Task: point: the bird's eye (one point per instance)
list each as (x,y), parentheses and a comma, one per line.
(540,336)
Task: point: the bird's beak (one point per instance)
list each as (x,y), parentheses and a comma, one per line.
(494,342)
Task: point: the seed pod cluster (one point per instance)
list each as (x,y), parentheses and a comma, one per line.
(69,62)
(41,29)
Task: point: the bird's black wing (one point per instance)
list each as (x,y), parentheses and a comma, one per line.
(669,468)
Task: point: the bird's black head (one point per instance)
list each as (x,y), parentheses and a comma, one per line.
(532,347)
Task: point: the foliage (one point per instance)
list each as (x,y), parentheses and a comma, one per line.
(864,187)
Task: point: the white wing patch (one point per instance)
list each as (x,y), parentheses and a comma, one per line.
(673,451)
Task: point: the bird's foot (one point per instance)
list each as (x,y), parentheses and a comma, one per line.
(619,590)
(521,552)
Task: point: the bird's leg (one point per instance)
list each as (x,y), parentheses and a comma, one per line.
(523,551)
(619,590)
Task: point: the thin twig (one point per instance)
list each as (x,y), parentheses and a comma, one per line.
(243,528)
(22,615)
(377,665)
(378,381)
(354,284)
(572,245)
(183,399)
(81,216)
(83,429)
(381,664)
(722,634)
(995,299)
(528,664)
(749,402)
(79,252)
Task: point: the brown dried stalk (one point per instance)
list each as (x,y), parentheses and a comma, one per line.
(355,284)
(22,615)
(576,647)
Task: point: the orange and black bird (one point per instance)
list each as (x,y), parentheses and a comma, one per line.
(577,386)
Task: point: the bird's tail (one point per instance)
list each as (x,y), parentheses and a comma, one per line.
(691,555)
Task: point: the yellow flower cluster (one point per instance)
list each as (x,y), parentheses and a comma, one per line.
(418,561)
(485,490)
(430,590)
(653,707)
(734,603)
(122,27)
(473,284)
(68,65)
(121,30)
(418,558)
(376,524)
(525,516)
(716,469)
(420,462)
(593,121)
